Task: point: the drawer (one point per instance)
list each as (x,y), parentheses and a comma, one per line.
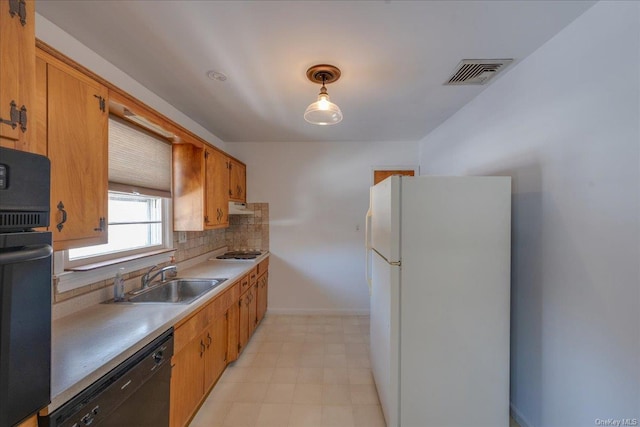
(190,329)
(244,284)
(253,276)
(263,266)
(223,301)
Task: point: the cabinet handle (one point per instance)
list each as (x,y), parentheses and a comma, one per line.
(60,207)
(209,340)
(202,348)
(101,103)
(101,226)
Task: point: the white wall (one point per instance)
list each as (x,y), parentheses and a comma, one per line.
(57,38)
(564,124)
(318,193)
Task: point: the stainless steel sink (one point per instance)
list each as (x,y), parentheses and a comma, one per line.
(176,291)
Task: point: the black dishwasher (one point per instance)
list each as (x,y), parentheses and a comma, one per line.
(134,394)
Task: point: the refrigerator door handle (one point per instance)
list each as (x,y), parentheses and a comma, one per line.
(368,253)
(26,254)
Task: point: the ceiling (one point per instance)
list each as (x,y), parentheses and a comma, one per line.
(394,57)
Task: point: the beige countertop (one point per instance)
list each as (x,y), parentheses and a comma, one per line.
(89,343)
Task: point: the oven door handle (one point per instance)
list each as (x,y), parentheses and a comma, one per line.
(26,254)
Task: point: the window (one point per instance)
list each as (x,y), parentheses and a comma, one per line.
(139,197)
(135,225)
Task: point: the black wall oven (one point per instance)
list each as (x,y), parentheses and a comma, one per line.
(25,285)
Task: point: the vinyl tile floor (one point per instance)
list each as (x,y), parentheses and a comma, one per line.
(299,371)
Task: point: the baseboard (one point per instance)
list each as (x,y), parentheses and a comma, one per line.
(316,312)
(516,415)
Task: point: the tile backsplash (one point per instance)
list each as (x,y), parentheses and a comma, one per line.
(249,231)
(244,232)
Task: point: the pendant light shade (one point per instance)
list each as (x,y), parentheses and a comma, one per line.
(323,112)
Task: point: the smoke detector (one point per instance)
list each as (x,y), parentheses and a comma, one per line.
(477,71)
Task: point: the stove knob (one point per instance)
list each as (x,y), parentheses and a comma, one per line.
(158,357)
(96,410)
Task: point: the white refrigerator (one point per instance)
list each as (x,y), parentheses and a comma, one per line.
(438,267)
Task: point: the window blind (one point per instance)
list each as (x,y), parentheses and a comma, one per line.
(139,162)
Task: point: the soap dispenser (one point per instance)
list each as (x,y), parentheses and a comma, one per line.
(118,285)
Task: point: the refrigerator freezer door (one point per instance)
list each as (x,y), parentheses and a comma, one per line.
(385,219)
(385,335)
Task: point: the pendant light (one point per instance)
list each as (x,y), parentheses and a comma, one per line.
(323,111)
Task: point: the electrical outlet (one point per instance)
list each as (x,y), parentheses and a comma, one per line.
(182,237)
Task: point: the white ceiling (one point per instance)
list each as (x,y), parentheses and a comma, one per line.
(394,56)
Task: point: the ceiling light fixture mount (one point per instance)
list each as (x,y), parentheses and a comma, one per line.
(323,111)
(216,75)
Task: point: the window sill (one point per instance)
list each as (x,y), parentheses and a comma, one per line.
(75,278)
(95,265)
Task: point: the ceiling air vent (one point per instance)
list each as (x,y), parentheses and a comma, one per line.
(477,71)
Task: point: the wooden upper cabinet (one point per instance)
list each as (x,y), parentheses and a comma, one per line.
(237,181)
(200,188)
(74,108)
(17,73)
(216,184)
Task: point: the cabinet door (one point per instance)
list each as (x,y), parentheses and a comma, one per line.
(243,327)
(233,317)
(216,359)
(263,286)
(209,358)
(216,186)
(187,386)
(237,181)
(253,309)
(188,188)
(77,145)
(17,71)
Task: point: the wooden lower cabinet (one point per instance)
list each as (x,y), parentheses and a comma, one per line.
(216,351)
(243,322)
(263,291)
(201,345)
(253,310)
(187,387)
(29,422)
(247,317)
(212,338)
(233,346)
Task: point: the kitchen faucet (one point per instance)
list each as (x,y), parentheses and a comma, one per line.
(147,278)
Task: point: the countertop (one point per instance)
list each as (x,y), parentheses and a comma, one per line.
(89,343)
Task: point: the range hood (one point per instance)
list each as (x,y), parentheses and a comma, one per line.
(236,208)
